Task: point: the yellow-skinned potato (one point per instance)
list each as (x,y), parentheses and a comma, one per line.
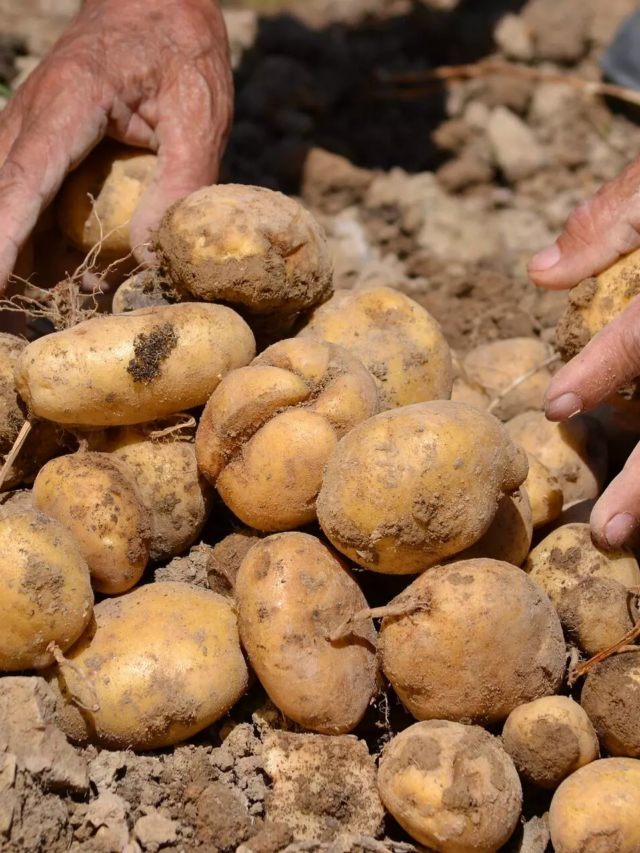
(115,177)
(95,497)
(509,535)
(451,787)
(268,430)
(412,486)
(248,246)
(478,639)
(463,389)
(573,451)
(548,739)
(396,339)
(45,590)
(145,289)
(165,661)
(292,592)
(596,809)
(611,698)
(596,613)
(133,368)
(545,493)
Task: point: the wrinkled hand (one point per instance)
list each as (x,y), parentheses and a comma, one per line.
(598,232)
(150,73)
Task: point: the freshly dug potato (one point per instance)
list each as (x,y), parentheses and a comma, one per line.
(611,698)
(463,391)
(268,430)
(133,368)
(395,338)
(45,590)
(573,451)
(248,246)
(545,493)
(451,787)
(596,613)
(292,592)
(509,535)
(596,809)
(412,486)
(478,639)
(165,661)
(95,497)
(226,558)
(548,739)
(18,501)
(98,199)
(145,289)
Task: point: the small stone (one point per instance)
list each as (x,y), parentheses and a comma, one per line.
(331,182)
(560,30)
(108,816)
(223,819)
(222,759)
(104,768)
(515,147)
(514,38)
(155,830)
(551,102)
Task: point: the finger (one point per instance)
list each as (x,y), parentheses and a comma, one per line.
(617,514)
(598,232)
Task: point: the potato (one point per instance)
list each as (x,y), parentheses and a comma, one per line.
(509,535)
(412,486)
(596,613)
(18,501)
(478,639)
(98,199)
(463,391)
(451,787)
(95,497)
(146,289)
(395,338)
(573,451)
(165,661)
(45,590)
(596,809)
(545,493)
(248,246)
(292,592)
(548,739)
(133,368)
(611,698)
(268,430)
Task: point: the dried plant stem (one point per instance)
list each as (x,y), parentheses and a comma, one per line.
(516,382)
(188,423)
(621,646)
(22,436)
(93,704)
(402,608)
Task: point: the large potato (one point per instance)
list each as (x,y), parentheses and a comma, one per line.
(451,787)
(268,430)
(478,639)
(45,590)
(396,339)
(248,246)
(165,662)
(95,497)
(292,593)
(509,535)
(132,368)
(611,698)
(412,486)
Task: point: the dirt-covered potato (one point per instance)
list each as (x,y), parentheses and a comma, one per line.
(45,590)
(268,430)
(95,497)
(451,787)
(248,246)
(573,451)
(509,535)
(596,613)
(478,639)
(596,809)
(18,501)
(133,368)
(611,698)
(292,593)
(548,739)
(395,338)
(412,486)
(545,493)
(145,289)
(98,199)
(165,662)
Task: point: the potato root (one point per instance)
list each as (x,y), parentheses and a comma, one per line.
(611,698)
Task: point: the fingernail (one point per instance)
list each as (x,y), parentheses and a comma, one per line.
(545,259)
(563,407)
(618,530)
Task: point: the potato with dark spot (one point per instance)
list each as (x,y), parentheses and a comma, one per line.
(545,493)
(451,787)
(509,535)
(410,487)
(95,497)
(165,662)
(146,289)
(45,590)
(292,593)
(477,638)
(611,698)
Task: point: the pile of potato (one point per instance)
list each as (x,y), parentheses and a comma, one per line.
(354,443)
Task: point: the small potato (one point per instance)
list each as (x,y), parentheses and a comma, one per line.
(98,199)
(596,613)
(292,592)
(545,493)
(451,787)
(145,289)
(573,451)
(95,497)
(45,590)
(548,739)
(611,698)
(165,662)
(478,639)
(596,809)
(509,535)
(268,430)
(248,246)
(133,368)
(395,338)
(412,486)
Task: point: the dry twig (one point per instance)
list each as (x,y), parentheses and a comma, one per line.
(22,436)
(401,608)
(622,645)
